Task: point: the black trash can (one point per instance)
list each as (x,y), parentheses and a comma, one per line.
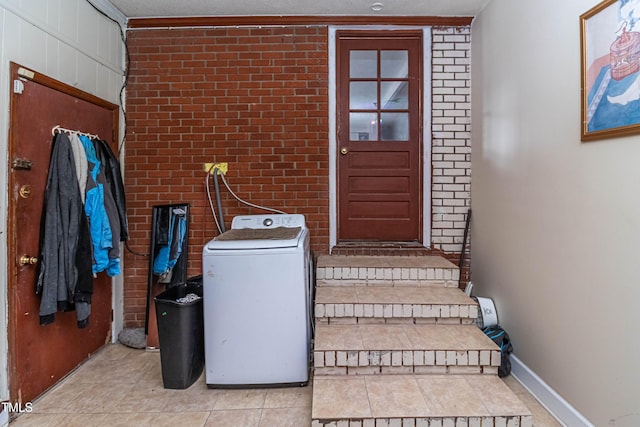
(181,334)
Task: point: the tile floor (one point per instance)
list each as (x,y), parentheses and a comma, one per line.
(121,386)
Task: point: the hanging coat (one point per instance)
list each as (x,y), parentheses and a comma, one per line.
(96,211)
(80,162)
(113,176)
(62,231)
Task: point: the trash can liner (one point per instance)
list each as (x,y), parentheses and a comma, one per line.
(181,334)
(189,298)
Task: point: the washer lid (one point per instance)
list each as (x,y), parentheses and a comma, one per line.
(258,238)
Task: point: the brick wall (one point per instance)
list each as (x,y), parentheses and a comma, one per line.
(257,99)
(451,145)
(254,98)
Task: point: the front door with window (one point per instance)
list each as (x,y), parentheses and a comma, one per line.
(379,84)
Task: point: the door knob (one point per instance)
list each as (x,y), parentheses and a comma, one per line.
(344,151)
(28,260)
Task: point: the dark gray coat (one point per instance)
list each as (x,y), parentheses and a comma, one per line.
(63,279)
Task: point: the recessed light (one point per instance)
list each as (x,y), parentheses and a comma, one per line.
(377,7)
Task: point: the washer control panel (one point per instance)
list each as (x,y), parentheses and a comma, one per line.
(268,221)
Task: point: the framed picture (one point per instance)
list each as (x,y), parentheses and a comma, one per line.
(610,69)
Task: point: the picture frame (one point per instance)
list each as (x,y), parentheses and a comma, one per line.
(610,70)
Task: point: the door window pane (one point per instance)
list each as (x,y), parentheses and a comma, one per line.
(394,126)
(394,64)
(363,64)
(378,84)
(363,126)
(363,95)
(394,95)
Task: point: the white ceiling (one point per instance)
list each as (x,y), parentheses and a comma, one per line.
(181,8)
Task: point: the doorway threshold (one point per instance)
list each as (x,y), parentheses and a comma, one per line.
(381,248)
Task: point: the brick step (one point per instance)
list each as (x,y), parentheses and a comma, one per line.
(415,400)
(403,349)
(393,304)
(343,270)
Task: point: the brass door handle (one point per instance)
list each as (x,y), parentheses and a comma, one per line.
(344,151)
(28,260)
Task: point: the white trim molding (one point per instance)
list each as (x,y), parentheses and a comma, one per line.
(113,12)
(549,398)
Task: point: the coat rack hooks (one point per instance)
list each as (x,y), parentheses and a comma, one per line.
(60,129)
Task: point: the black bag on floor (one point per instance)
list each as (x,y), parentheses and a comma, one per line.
(501,337)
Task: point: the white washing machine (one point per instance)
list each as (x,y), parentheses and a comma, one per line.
(257,303)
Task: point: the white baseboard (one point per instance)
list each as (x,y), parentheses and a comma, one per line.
(552,401)
(4,418)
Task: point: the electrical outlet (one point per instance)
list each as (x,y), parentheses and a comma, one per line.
(222,168)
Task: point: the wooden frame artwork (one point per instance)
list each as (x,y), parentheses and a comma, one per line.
(610,69)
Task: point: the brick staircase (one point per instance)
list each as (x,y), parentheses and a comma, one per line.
(396,345)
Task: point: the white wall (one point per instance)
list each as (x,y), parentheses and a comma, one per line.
(66,40)
(556,222)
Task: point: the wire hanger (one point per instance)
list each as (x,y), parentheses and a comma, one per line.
(60,129)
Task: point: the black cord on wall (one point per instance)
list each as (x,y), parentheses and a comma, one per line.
(123,36)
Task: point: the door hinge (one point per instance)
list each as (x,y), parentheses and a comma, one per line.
(20,163)
(18,86)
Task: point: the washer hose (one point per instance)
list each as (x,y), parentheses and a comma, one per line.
(216,186)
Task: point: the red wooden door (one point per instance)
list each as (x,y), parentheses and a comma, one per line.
(41,355)
(379,136)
